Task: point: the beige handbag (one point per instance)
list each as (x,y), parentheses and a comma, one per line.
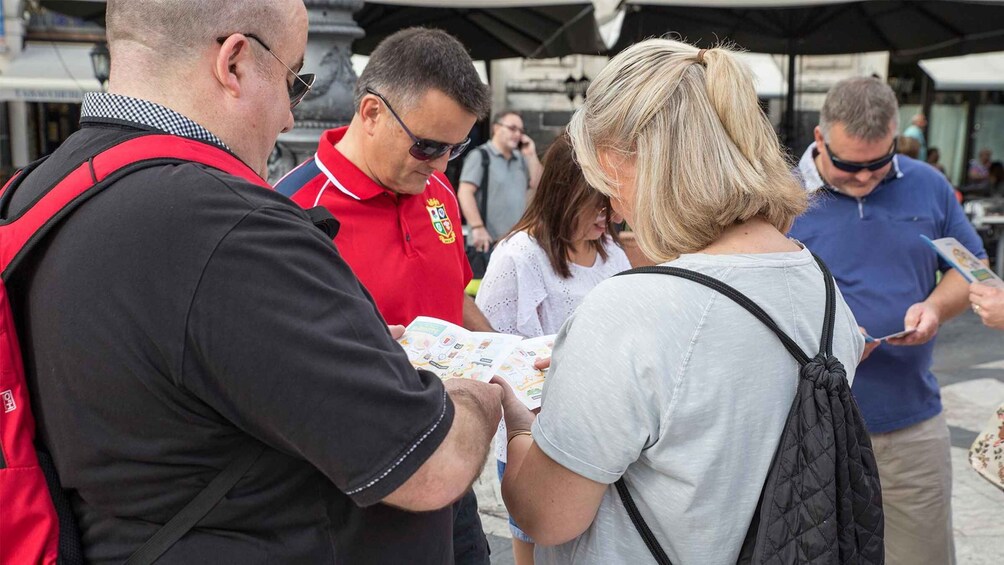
(987,453)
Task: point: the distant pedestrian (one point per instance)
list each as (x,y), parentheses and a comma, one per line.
(916,131)
(513,171)
(979,168)
(908,146)
(934,159)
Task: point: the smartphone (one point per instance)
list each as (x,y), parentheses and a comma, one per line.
(904,333)
(521,145)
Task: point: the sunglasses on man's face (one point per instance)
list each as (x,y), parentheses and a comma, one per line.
(301,83)
(424,149)
(855,167)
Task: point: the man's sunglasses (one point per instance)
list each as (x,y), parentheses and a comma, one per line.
(853,167)
(299,87)
(424,149)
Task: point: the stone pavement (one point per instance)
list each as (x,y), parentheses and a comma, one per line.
(969,362)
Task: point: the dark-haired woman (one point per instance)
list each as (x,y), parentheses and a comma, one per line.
(561,248)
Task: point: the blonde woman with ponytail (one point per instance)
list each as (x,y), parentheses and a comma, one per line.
(657,379)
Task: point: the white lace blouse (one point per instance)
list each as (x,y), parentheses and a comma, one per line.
(521,294)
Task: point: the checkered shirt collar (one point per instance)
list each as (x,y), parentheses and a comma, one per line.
(103,105)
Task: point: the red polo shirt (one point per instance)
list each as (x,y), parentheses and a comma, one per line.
(407,250)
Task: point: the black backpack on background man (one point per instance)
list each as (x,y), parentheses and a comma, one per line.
(479,259)
(822,501)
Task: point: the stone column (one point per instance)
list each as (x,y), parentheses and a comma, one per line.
(329,103)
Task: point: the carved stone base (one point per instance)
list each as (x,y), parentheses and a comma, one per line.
(329,102)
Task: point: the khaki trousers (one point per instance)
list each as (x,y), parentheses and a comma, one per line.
(915,469)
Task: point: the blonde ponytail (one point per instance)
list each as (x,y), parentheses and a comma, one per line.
(705,154)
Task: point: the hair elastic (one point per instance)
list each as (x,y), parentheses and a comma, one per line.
(700,57)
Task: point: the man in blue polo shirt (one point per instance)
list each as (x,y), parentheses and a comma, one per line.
(870,209)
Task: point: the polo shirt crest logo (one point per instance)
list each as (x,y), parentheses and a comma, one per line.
(8,402)
(440,221)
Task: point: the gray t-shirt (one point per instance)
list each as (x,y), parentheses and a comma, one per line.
(684,393)
(508,183)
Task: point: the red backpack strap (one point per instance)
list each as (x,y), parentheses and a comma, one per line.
(86,180)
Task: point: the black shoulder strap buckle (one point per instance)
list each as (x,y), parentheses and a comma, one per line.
(324,220)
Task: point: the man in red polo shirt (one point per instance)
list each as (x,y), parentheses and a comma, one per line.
(382,178)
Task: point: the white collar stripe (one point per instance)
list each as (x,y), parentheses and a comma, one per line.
(334,180)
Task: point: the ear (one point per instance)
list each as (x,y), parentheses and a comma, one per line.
(370,109)
(820,142)
(231,62)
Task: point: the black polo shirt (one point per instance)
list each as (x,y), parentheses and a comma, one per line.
(182,313)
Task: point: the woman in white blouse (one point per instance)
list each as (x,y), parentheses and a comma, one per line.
(561,248)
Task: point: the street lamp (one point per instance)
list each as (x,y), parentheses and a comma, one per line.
(101,61)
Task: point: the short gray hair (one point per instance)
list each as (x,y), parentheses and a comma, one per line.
(184,27)
(865,106)
(413,61)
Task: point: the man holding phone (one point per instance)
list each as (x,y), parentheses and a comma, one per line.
(871,209)
(513,171)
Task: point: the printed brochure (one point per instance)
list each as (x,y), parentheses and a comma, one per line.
(965,262)
(451,351)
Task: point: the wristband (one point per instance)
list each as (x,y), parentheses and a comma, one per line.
(477,226)
(516,434)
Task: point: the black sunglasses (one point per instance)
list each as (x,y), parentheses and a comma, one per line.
(299,87)
(424,149)
(852,167)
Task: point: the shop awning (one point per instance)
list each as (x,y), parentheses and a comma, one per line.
(970,72)
(49,72)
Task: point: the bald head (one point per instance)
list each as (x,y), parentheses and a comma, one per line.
(208,61)
(181,29)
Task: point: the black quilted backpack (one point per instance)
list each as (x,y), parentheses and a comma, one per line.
(822,501)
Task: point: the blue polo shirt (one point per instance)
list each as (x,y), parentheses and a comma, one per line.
(882,266)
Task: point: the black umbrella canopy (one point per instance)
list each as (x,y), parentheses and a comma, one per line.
(490,29)
(908,29)
(89,10)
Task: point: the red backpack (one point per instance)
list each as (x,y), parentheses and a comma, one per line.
(29,522)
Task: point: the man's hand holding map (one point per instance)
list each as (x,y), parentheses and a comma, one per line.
(450,352)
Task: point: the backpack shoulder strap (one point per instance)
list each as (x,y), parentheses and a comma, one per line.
(829,319)
(189,516)
(733,294)
(826,348)
(485,168)
(90,177)
(829,316)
